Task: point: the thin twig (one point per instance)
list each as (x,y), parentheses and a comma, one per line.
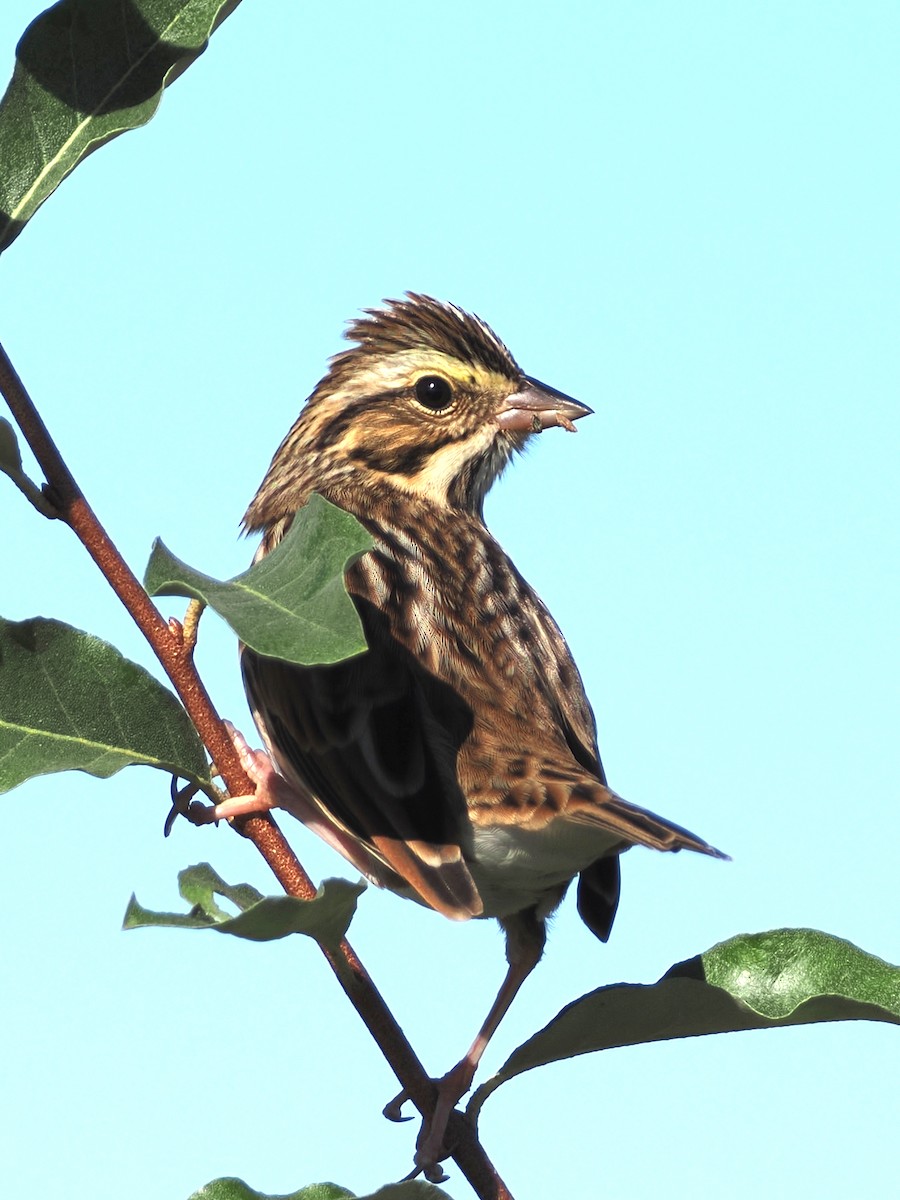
(176,656)
(190,626)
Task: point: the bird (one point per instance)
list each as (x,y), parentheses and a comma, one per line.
(455,761)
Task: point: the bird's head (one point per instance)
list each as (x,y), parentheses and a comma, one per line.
(428,401)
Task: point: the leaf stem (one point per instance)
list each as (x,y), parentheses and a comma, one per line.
(175,655)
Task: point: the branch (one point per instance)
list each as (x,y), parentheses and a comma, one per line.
(176,658)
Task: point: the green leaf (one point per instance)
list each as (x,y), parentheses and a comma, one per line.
(800,976)
(293,603)
(754,981)
(261,919)
(86,71)
(236,1189)
(71,702)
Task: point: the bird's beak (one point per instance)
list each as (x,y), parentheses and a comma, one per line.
(536,406)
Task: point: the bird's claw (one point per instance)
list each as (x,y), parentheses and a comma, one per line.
(393,1110)
(257,765)
(182,803)
(432,1144)
(434,1173)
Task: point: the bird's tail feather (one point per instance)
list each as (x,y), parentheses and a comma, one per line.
(600,806)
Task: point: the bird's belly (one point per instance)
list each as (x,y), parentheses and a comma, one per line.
(515,868)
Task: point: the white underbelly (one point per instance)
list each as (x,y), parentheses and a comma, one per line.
(515,868)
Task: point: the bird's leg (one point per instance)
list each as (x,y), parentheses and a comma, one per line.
(525,938)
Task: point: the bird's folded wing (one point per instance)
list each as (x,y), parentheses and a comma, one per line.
(374,739)
(562,688)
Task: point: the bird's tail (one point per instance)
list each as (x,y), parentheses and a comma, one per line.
(597,805)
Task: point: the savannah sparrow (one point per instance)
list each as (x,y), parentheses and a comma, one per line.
(455,762)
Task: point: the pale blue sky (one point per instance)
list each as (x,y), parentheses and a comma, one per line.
(686,216)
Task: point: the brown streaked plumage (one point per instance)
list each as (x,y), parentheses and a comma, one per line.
(455,761)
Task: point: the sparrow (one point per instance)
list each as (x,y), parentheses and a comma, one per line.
(455,761)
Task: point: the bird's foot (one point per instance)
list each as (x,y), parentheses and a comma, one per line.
(432,1144)
(271,789)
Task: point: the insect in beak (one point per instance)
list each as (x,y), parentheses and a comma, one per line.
(536,406)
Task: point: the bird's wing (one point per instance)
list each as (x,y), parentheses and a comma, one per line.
(563,689)
(375,739)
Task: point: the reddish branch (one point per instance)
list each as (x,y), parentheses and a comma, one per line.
(176,659)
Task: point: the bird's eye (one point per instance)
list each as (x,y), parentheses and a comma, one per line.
(433,392)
